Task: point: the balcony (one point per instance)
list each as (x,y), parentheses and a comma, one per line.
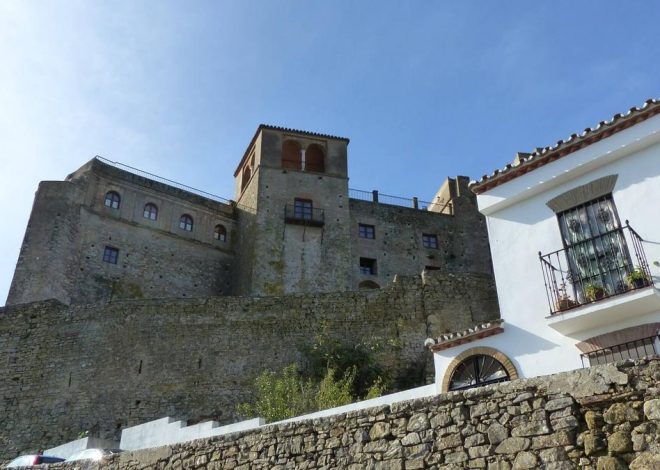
(303,215)
(595,269)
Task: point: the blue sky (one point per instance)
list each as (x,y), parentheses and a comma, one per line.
(423,89)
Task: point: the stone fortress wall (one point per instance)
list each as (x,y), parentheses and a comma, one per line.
(266,250)
(62,253)
(106,366)
(606,417)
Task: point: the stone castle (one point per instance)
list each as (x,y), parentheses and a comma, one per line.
(136,298)
(109,232)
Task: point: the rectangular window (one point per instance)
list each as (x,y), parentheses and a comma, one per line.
(110,255)
(430,240)
(368,266)
(597,253)
(302,209)
(367,231)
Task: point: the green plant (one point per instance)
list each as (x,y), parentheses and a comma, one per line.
(333,392)
(288,393)
(328,353)
(280,395)
(594,291)
(637,277)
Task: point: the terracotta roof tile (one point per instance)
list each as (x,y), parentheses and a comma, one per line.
(449,340)
(524,163)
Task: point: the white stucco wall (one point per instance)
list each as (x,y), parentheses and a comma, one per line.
(520,225)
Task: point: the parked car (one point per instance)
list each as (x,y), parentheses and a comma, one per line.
(93,454)
(32,459)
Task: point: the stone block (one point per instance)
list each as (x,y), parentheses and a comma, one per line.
(621,413)
(610,463)
(619,443)
(418,422)
(652,409)
(497,433)
(513,445)
(533,428)
(379,430)
(525,460)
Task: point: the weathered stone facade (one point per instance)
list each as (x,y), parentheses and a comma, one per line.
(268,247)
(102,367)
(606,417)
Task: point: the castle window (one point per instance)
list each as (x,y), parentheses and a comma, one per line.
(303,209)
(368,266)
(186,223)
(112,200)
(314,159)
(291,155)
(367,231)
(430,241)
(150,211)
(110,255)
(245,177)
(220,233)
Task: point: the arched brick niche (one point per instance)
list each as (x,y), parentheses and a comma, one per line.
(478,351)
(291,155)
(315,158)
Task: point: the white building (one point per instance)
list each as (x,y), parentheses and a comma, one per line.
(575,240)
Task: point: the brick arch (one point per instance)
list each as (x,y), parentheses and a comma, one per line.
(291,156)
(315,158)
(482,350)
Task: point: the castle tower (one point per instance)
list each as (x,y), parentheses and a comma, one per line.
(292,198)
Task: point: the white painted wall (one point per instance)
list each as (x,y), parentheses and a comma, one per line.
(520,225)
(67,450)
(413,393)
(167,431)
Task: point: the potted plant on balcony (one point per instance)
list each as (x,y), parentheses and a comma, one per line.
(637,278)
(594,291)
(564,302)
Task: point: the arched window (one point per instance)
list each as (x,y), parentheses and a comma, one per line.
(186,223)
(476,371)
(314,159)
(368,285)
(291,157)
(150,211)
(112,200)
(245,177)
(220,233)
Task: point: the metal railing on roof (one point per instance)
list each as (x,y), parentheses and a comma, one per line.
(446,207)
(160,179)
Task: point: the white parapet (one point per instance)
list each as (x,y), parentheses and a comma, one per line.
(166,431)
(152,434)
(419,392)
(67,450)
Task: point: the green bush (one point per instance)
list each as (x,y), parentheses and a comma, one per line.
(280,395)
(288,393)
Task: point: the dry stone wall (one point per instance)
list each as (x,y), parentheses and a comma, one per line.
(99,368)
(604,418)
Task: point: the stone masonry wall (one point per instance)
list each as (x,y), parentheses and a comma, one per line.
(604,418)
(65,370)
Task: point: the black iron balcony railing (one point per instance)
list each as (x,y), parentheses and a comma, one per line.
(635,349)
(303,215)
(595,269)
